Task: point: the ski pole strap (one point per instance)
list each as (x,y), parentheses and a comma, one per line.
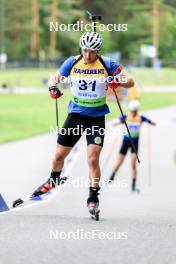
(131,140)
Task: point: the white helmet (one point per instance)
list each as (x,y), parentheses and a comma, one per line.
(91,40)
(134,105)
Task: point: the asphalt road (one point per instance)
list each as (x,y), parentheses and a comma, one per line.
(133,228)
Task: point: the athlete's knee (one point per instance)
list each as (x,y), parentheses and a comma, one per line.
(120,160)
(117,166)
(119,163)
(133,165)
(93,161)
(59,157)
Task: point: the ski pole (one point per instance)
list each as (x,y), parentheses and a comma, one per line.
(55,93)
(111,151)
(57,117)
(149,157)
(98,17)
(131,140)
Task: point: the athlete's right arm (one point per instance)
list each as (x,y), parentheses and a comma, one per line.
(64,71)
(55,93)
(119,121)
(116,122)
(54,79)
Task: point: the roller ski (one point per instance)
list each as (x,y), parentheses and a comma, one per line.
(93,203)
(42,192)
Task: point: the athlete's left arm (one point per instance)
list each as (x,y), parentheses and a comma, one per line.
(152,123)
(120,75)
(145,119)
(118,121)
(125,81)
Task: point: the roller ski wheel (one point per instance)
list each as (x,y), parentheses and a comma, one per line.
(94,211)
(97,215)
(17,202)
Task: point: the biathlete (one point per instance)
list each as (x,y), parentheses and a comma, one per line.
(87,108)
(134,121)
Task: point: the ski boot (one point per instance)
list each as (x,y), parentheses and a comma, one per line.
(51,183)
(133,187)
(43,189)
(93,203)
(111,179)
